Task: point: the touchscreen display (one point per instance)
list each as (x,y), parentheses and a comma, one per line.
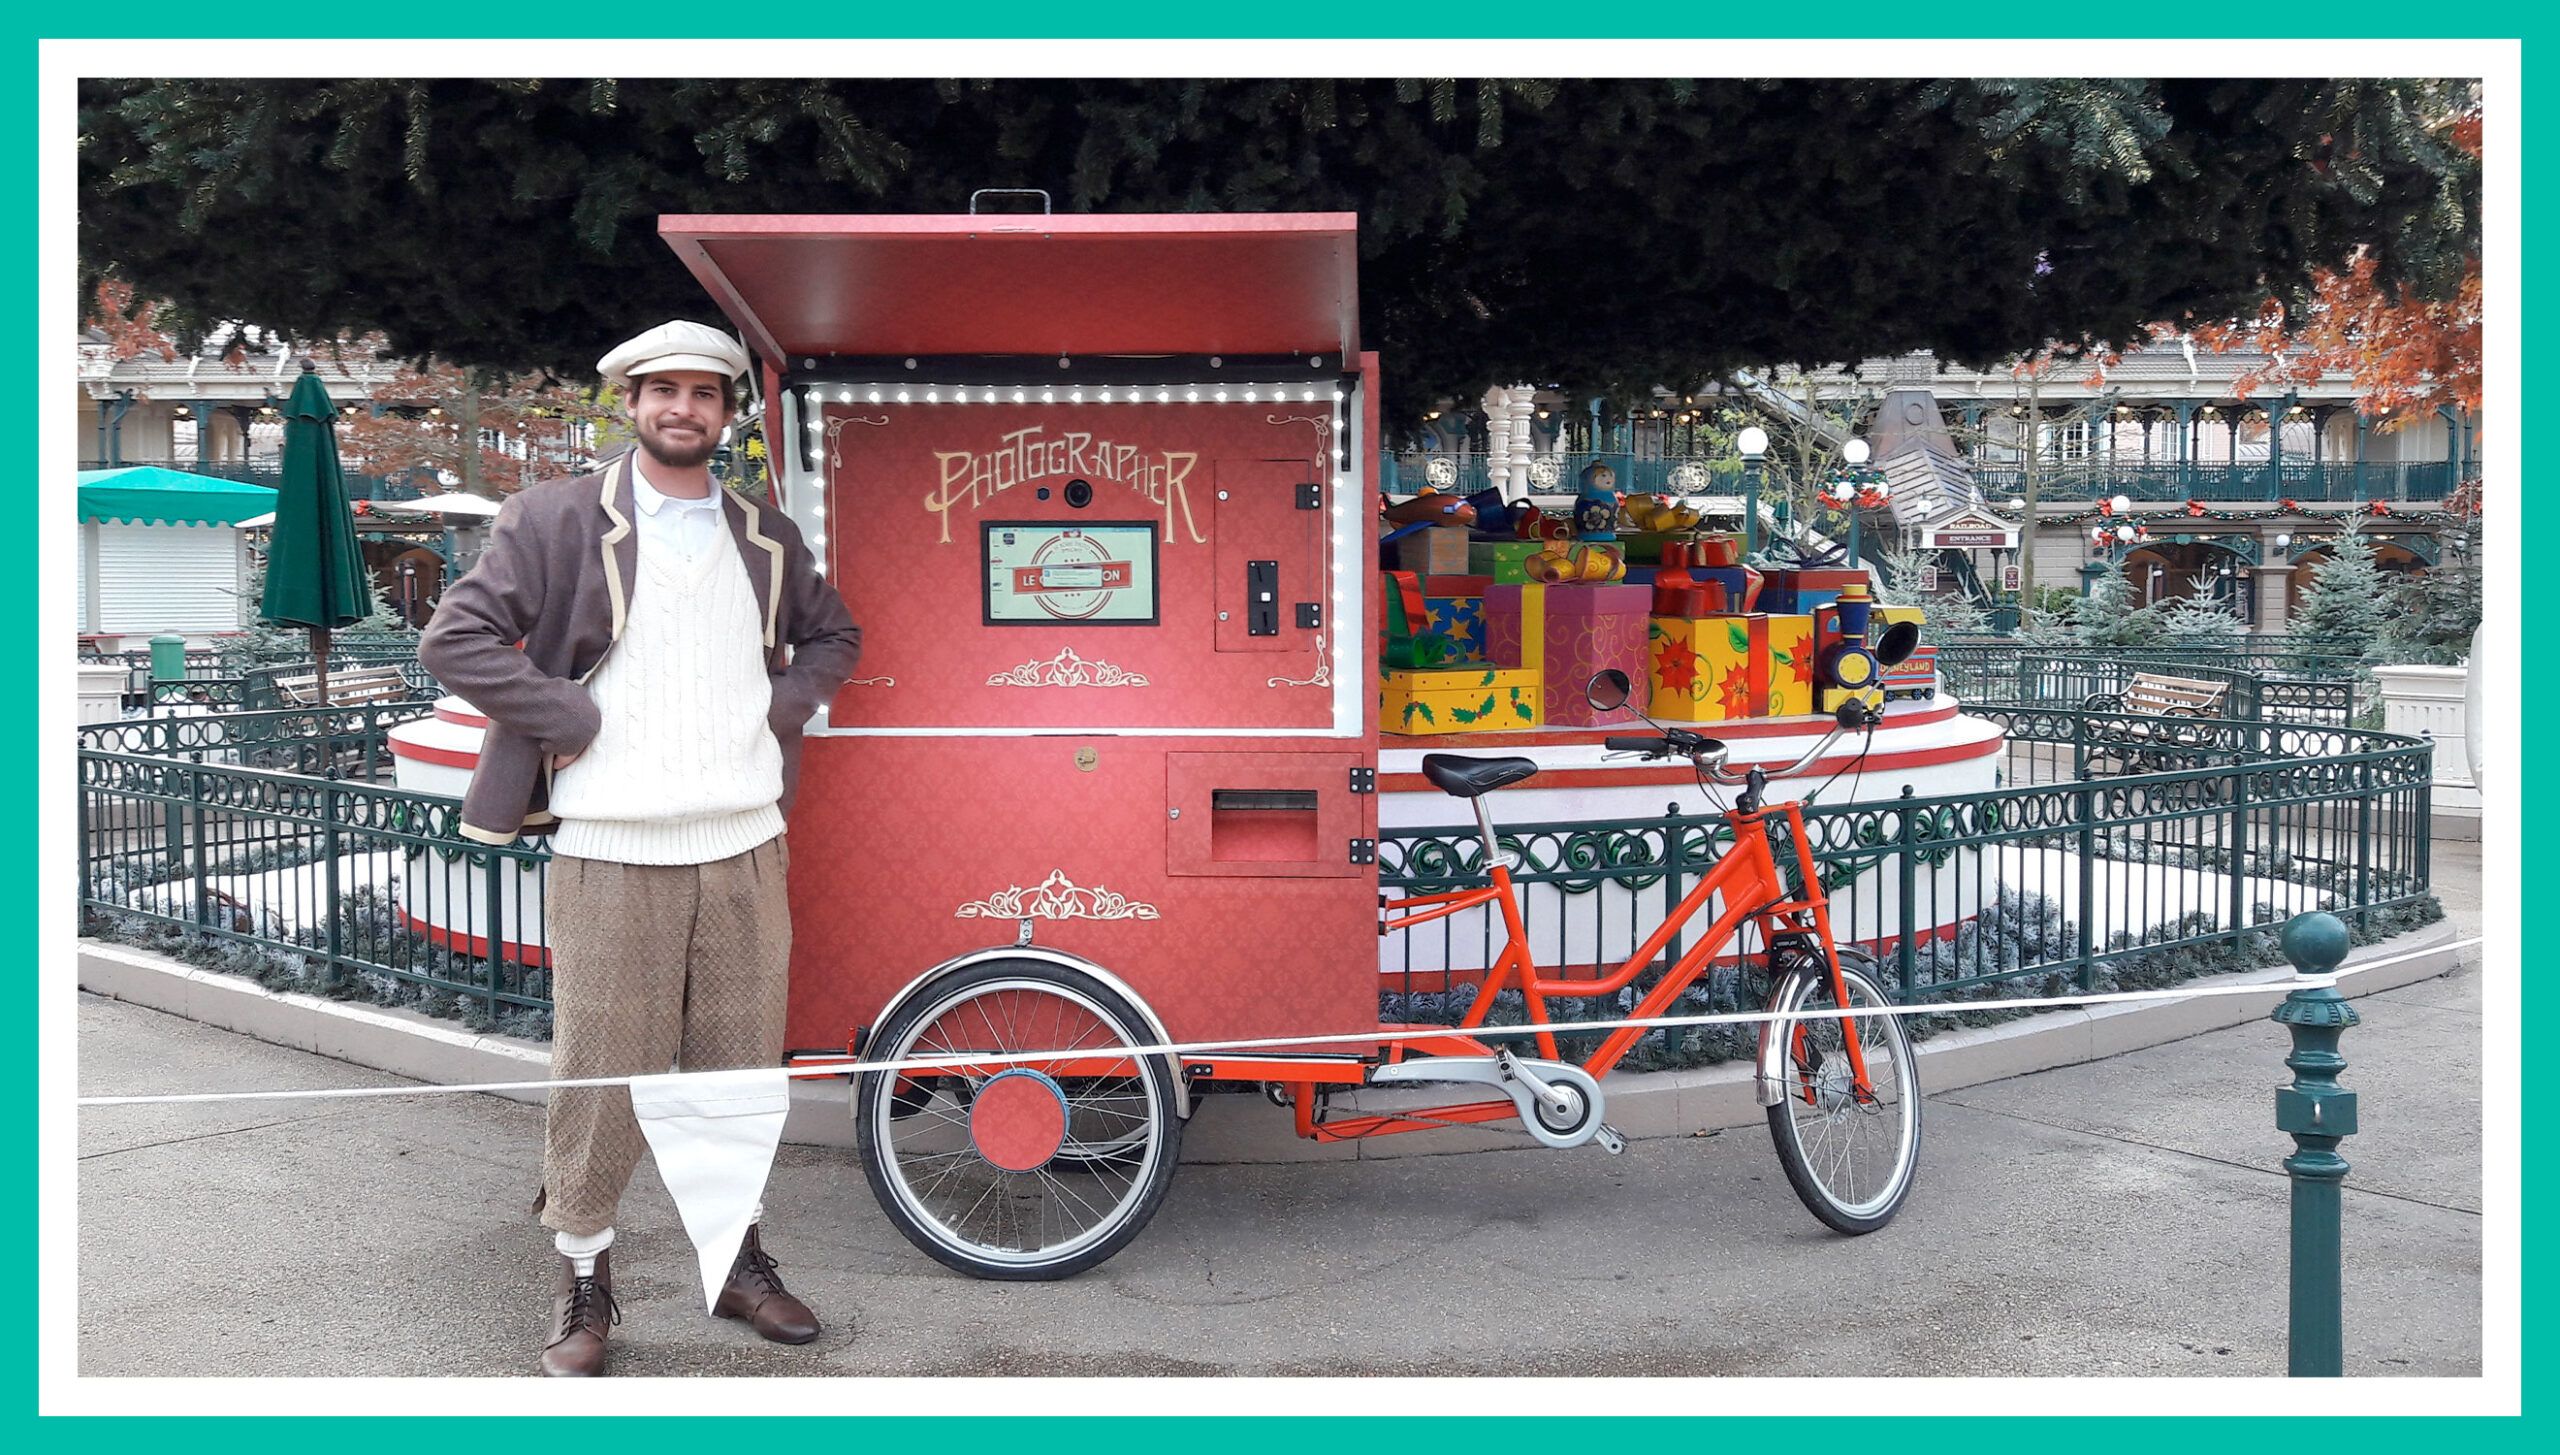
(1050,573)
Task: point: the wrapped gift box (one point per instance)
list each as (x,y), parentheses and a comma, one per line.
(1797,591)
(1456,608)
(1457,700)
(1718,668)
(1436,551)
(1567,634)
(1408,640)
(1505,562)
(1645,546)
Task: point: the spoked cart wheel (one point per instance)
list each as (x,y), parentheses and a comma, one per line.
(1850,1157)
(1018,1170)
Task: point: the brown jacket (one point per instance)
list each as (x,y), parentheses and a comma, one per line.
(557,578)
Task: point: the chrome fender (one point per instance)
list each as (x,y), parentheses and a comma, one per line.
(1769,1078)
(1118,986)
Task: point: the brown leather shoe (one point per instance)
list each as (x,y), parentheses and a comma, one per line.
(582,1310)
(755,1293)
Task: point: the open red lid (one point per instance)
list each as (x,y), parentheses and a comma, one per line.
(801,286)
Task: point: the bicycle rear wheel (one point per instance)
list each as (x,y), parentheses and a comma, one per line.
(967,1162)
(1849,1156)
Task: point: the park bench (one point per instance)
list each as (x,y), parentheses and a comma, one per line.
(2156,694)
(2124,747)
(378,686)
(348,687)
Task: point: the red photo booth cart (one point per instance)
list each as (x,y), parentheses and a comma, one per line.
(1099,492)
(1096,490)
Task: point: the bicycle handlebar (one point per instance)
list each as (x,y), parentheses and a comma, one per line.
(1708,753)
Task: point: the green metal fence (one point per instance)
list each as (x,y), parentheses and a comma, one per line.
(1561,474)
(346,742)
(326,885)
(2328,481)
(2117,854)
(2104,859)
(2258,684)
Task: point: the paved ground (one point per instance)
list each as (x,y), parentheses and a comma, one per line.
(2125,1217)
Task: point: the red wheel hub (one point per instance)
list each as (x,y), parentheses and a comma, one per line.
(1018,1120)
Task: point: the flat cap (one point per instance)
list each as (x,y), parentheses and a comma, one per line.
(673,346)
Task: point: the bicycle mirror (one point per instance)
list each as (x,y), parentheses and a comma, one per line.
(1607,691)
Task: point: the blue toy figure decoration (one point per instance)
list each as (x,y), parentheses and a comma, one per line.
(1595,514)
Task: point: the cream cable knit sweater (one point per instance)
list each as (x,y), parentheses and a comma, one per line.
(684,769)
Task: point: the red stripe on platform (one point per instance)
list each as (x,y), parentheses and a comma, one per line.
(450,757)
(1574,777)
(477,946)
(1739,729)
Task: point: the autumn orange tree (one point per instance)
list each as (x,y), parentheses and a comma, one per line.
(491,433)
(2410,350)
(128,325)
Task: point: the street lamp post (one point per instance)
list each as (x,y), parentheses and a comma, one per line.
(1754,443)
(1855,452)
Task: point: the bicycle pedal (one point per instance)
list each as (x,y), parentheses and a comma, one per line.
(1610,1140)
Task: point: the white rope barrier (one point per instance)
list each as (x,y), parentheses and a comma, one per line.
(1368,1038)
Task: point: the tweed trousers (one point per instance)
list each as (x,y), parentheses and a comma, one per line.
(654,967)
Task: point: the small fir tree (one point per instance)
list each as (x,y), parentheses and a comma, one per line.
(2201,619)
(2038,627)
(2107,617)
(2437,612)
(1951,612)
(2347,602)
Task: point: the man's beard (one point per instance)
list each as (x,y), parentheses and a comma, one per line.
(675,457)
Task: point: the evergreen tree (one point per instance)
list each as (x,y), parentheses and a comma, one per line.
(1951,613)
(510,225)
(2107,617)
(2434,614)
(2201,618)
(2038,627)
(2347,601)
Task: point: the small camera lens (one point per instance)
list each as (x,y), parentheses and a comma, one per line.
(1079,494)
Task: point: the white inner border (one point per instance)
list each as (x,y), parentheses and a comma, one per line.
(2499,62)
(802,493)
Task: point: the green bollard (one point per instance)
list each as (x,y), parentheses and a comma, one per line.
(168,658)
(2318,1114)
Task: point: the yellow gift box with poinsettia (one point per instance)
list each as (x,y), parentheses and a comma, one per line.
(1730,665)
(1418,701)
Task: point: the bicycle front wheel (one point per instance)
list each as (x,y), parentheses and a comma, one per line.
(1849,1150)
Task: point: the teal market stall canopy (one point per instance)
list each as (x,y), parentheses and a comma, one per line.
(151,495)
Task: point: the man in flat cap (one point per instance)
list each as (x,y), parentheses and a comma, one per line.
(647,647)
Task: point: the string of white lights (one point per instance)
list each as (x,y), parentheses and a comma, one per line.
(912,393)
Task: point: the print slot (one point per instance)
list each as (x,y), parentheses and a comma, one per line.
(1262,825)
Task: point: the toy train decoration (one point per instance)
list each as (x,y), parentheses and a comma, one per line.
(1846,666)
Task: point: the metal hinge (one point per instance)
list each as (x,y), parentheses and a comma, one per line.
(1364,851)
(1364,780)
(1310,616)
(1311,496)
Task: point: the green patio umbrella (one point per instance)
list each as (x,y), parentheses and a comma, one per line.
(315,572)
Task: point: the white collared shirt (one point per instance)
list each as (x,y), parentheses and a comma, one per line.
(673,523)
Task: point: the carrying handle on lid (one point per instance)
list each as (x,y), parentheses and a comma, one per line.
(1040,192)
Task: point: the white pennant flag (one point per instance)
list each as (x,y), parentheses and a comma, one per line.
(714,1135)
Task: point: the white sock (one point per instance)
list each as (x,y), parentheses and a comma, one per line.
(582,1251)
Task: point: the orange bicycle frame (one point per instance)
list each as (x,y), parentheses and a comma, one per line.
(1748,879)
